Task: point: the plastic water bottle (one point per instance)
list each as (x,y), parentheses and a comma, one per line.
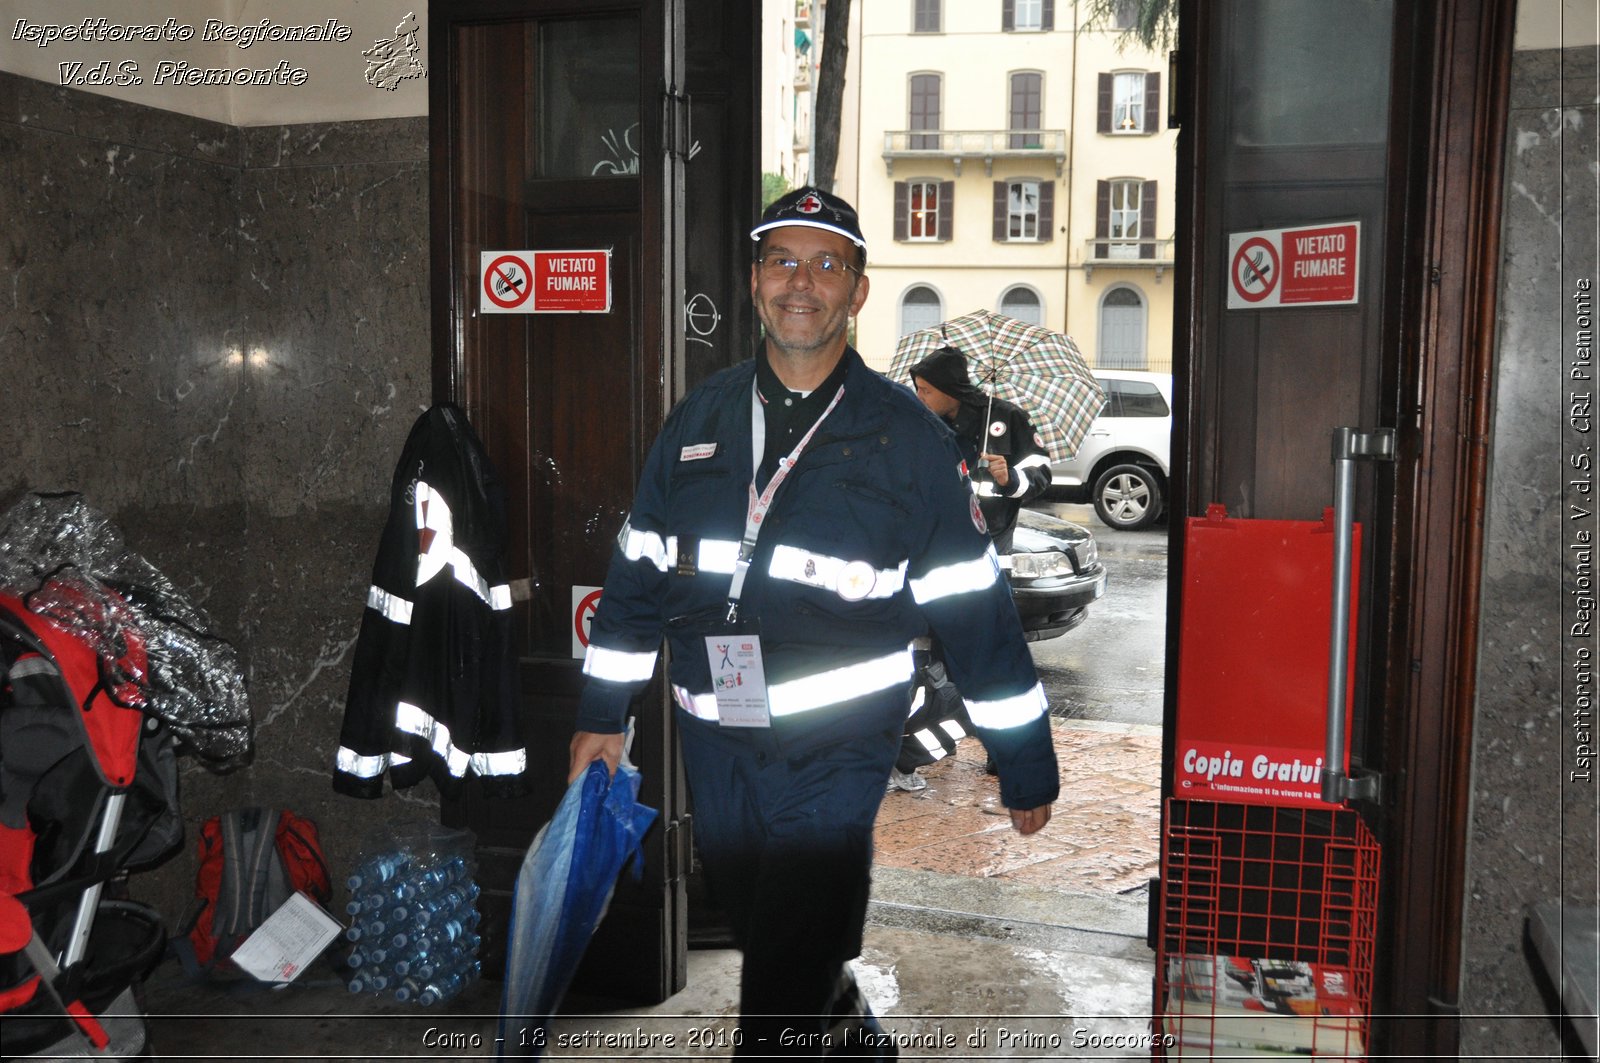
(441,989)
(378,869)
(370,928)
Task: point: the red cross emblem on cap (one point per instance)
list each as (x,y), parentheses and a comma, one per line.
(809,205)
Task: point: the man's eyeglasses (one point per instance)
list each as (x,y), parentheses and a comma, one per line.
(776,264)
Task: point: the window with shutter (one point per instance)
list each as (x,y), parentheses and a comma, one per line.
(925,206)
(1125,217)
(926,17)
(924,112)
(1022,210)
(1147,219)
(1027,106)
(1028,15)
(1152,102)
(1102,217)
(1127,105)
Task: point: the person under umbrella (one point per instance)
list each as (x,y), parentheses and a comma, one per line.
(1005,454)
(1009,467)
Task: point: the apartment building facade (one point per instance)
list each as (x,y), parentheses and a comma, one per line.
(1006,156)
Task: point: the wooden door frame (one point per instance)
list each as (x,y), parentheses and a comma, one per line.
(1452,63)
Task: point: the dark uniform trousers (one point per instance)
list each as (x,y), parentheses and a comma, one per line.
(786,844)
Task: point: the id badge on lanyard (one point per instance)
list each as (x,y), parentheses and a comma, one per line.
(738,677)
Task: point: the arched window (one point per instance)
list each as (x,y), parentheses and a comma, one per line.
(1122,314)
(920,308)
(1023,304)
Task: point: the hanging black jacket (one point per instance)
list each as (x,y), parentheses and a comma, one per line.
(433,688)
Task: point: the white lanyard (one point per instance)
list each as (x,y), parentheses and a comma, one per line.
(756,512)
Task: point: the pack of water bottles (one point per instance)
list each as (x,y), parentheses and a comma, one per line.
(413,911)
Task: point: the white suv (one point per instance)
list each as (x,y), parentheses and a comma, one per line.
(1121,466)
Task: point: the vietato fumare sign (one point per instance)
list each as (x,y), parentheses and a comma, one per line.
(1308,266)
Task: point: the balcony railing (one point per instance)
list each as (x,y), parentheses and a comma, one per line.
(958,145)
(1108,252)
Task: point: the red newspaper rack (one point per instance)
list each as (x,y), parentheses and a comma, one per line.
(1266,932)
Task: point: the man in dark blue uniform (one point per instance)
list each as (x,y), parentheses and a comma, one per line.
(800,520)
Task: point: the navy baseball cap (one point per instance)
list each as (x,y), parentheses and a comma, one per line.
(815,208)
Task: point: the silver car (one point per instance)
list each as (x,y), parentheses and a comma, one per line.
(1122,463)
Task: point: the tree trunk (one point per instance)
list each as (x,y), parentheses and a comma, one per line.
(830,93)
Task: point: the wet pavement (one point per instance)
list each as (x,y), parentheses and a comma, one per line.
(1112,666)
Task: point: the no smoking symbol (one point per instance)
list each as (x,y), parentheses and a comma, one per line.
(506,282)
(583,616)
(1255,269)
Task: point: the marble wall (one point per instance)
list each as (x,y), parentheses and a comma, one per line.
(1532,831)
(219,336)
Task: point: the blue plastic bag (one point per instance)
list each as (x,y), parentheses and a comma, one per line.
(562,892)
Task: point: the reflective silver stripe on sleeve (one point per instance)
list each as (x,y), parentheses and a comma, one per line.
(838,684)
(498,597)
(963,577)
(712,555)
(412,720)
(985,489)
(918,699)
(349,762)
(508,762)
(639,545)
(1009,712)
(820,570)
(619,666)
(1019,486)
(433,515)
(392,606)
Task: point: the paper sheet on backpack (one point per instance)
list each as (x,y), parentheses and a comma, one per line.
(288,941)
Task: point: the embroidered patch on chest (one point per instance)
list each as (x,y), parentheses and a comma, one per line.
(697,451)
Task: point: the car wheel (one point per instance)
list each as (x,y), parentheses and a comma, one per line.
(1127,497)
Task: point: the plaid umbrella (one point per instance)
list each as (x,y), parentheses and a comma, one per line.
(1039,370)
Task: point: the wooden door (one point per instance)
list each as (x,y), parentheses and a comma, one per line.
(560,126)
(1385,112)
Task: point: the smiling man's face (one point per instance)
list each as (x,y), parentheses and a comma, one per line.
(807,312)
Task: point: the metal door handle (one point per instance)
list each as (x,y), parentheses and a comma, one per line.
(1349,444)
